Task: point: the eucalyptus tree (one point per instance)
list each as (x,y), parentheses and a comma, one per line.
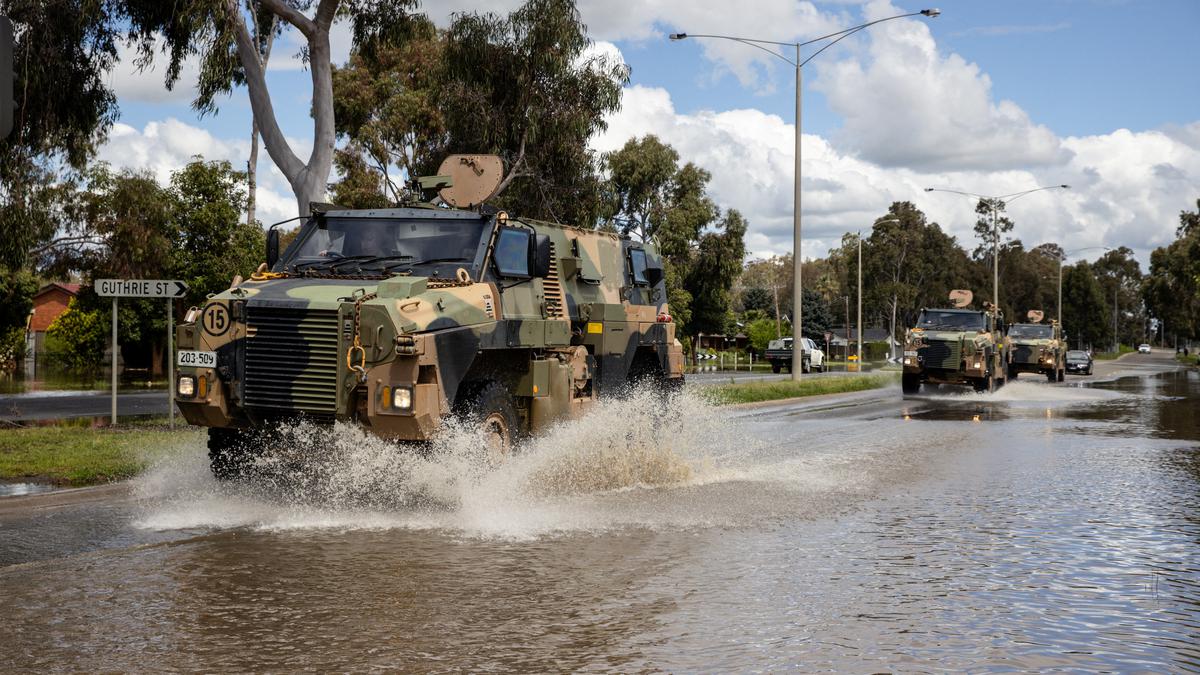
(219,33)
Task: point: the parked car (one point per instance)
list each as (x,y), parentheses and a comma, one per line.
(779,355)
(1079,362)
(1143,348)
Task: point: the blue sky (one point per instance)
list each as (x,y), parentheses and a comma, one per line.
(986,97)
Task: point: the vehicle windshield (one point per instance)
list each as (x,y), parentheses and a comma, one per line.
(1027,330)
(381,247)
(946,320)
(1077,356)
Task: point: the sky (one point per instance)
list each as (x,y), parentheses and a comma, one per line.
(990,98)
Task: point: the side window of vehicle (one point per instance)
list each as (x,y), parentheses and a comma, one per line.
(637,267)
(512,252)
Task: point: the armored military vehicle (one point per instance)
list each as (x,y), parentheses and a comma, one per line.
(958,346)
(1037,347)
(396,319)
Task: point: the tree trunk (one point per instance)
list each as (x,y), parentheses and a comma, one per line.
(892,329)
(156,358)
(252,172)
(308,180)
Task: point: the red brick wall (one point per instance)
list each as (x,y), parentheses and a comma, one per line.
(47,307)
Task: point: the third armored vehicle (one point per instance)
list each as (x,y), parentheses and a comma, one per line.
(394,319)
(960,346)
(1037,347)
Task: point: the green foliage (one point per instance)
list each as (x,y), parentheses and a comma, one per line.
(12,347)
(214,244)
(16,297)
(987,230)
(521,86)
(641,177)
(79,337)
(817,318)
(761,332)
(1172,288)
(715,266)
(385,102)
(1086,315)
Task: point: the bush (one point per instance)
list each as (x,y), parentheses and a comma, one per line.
(78,337)
(12,348)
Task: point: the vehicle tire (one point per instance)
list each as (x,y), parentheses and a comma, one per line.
(1052,376)
(775,367)
(821,368)
(1062,374)
(231,452)
(488,405)
(1012,373)
(805,367)
(910,384)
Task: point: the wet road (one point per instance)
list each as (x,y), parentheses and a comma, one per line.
(52,405)
(1037,527)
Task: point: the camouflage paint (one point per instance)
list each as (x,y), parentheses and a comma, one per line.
(287,347)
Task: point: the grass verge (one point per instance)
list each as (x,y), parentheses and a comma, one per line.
(1189,360)
(76,455)
(754,392)
(1109,356)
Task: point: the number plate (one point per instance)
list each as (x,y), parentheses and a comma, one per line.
(909,352)
(196,359)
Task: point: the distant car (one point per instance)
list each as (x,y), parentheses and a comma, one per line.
(1143,348)
(1079,362)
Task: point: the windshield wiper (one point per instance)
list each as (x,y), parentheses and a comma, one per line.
(414,263)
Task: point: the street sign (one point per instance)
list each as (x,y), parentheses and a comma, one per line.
(140,288)
(143,288)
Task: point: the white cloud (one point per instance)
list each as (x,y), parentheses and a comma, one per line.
(147,85)
(905,104)
(1126,188)
(165,146)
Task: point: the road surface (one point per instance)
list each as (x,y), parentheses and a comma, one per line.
(69,404)
(1039,527)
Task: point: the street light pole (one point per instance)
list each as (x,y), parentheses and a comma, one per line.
(798,64)
(995,202)
(797,260)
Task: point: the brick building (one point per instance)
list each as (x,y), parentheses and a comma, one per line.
(48,304)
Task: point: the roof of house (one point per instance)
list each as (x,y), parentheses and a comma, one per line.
(71,289)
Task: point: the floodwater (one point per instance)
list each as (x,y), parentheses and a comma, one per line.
(1037,527)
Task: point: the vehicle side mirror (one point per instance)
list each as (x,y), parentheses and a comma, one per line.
(539,255)
(654,275)
(272,247)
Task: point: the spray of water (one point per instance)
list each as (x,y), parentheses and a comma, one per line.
(341,476)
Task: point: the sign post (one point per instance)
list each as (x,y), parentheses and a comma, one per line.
(144,288)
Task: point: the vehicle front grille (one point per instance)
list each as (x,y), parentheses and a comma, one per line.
(945,354)
(1024,354)
(291,360)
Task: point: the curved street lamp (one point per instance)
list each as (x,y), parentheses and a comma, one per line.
(833,38)
(993,201)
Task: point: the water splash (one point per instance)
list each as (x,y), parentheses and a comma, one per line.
(343,477)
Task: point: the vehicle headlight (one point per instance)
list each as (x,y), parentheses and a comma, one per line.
(402,398)
(186,386)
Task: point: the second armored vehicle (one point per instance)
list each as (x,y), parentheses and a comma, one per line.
(1037,348)
(958,346)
